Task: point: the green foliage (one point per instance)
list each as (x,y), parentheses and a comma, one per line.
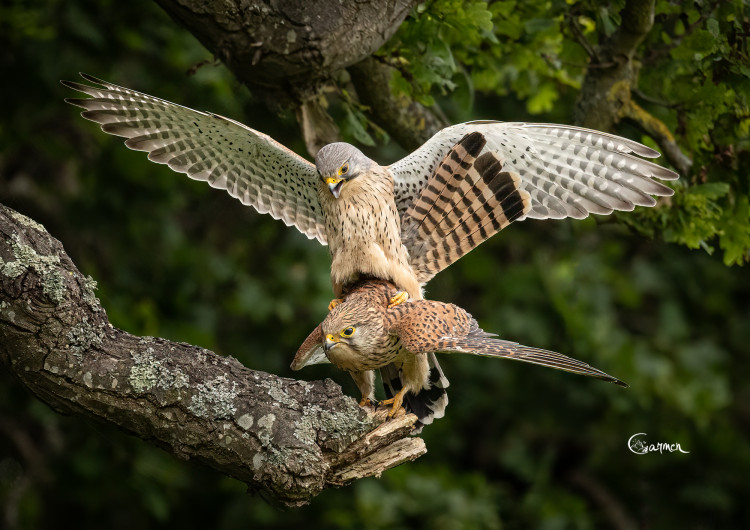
(694,75)
(520,446)
(698,63)
(503,47)
(424,49)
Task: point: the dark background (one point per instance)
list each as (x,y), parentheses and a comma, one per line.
(520,446)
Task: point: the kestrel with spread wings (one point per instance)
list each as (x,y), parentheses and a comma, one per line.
(404,222)
(365,333)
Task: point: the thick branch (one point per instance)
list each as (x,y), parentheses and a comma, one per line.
(407,121)
(287,439)
(661,134)
(598,106)
(285,48)
(605,96)
(286,51)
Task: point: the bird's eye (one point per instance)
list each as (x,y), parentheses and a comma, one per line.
(348,332)
(343,170)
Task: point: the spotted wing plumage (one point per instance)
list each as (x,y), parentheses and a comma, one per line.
(249,165)
(469,198)
(428,326)
(567,171)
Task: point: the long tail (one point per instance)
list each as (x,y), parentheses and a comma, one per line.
(468,199)
(430,402)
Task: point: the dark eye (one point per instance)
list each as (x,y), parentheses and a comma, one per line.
(343,170)
(348,332)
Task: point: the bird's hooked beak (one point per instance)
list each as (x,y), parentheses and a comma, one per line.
(335,184)
(330,342)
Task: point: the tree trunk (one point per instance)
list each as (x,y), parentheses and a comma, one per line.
(606,93)
(287,439)
(289,46)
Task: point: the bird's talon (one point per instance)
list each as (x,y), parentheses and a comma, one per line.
(334,303)
(396,402)
(367,402)
(399,298)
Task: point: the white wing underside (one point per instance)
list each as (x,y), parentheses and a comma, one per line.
(568,171)
(249,165)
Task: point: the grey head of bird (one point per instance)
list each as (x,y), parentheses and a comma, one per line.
(339,163)
(352,330)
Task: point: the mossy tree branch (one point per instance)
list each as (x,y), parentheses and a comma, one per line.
(286,439)
(657,130)
(605,96)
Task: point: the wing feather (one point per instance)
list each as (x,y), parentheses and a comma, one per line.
(426,326)
(463,204)
(567,171)
(490,347)
(249,165)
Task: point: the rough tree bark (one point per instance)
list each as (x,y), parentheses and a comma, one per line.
(606,93)
(287,51)
(286,439)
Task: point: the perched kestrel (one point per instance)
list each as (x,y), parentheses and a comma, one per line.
(404,222)
(363,333)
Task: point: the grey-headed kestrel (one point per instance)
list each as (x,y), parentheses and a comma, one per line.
(404,222)
(365,333)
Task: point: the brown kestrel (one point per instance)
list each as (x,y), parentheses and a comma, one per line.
(363,333)
(404,222)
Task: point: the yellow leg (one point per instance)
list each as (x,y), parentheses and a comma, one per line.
(334,303)
(396,400)
(366,402)
(399,298)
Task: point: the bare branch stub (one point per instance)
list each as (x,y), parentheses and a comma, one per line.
(598,106)
(286,439)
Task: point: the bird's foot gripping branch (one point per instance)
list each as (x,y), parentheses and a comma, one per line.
(286,439)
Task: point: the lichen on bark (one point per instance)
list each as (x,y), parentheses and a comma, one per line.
(286,439)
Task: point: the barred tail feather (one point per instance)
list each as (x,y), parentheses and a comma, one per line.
(476,207)
(452,170)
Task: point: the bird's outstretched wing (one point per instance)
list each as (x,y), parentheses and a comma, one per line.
(249,165)
(426,326)
(567,171)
